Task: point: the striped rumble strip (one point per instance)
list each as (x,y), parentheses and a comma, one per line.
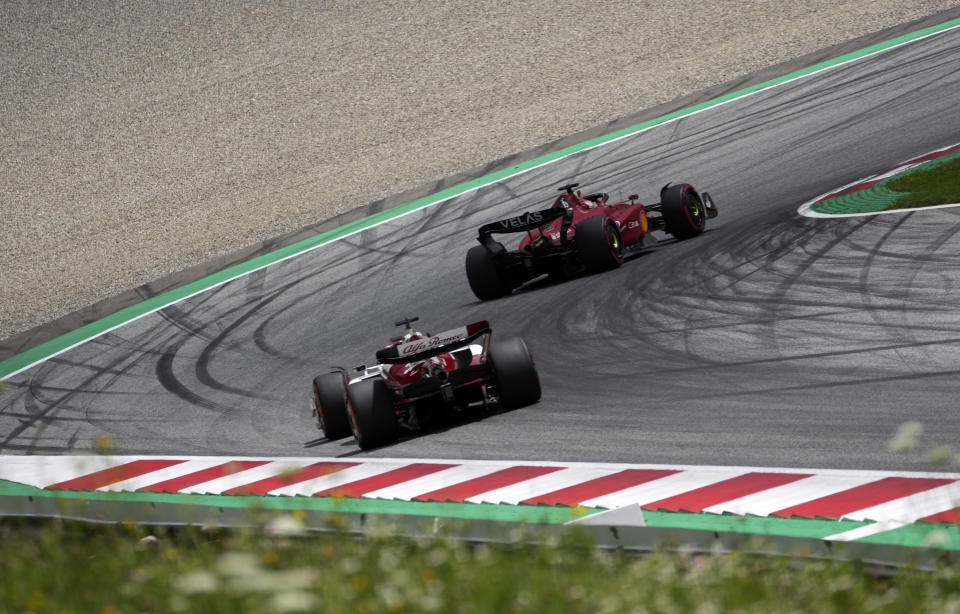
(892,497)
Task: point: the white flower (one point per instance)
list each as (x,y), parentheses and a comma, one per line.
(293,601)
(274,581)
(239,564)
(197,582)
(936,538)
(285,526)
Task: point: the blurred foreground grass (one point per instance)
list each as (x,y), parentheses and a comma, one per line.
(56,566)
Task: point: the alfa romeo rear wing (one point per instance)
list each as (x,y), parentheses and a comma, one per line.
(428,347)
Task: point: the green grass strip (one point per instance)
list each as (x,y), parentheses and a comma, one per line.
(935,182)
(79,335)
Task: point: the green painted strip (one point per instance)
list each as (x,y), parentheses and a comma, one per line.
(945,536)
(919,535)
(875,198)
(816,528)
(43,351)
(467,511)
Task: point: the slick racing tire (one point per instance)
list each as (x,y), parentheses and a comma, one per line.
(485,278)
(684,215)
(599,245)
(330,400)
(371,412)
(515,372)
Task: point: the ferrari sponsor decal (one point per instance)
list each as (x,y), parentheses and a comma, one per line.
(888,497)
(520,221)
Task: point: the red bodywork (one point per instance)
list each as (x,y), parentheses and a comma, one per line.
(629,215)
(409,372)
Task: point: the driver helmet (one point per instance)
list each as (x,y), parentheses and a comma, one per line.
(413,336)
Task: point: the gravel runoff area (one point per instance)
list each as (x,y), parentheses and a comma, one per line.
(140,138)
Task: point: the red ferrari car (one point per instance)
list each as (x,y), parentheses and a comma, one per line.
(419,375)
(581,233)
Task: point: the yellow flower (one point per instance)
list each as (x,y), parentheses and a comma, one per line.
(906,437)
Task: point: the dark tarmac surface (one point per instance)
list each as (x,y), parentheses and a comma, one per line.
(772,340)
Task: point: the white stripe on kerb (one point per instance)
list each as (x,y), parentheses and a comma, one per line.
(912,507)
(337,478)
(661,488)
(451,476)
(542,485)
(161,475)
(787,495)
(240,478)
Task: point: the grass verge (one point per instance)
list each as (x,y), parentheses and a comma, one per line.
(936,183)
(58,566)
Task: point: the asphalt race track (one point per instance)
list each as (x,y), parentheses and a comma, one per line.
(772,340)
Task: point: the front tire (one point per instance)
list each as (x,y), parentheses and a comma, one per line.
(485,278)
(516,374)
(330,400)
(684,215)
(371,412)
(599,245)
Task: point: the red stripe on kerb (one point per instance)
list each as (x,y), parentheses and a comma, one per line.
(376,482)
(506,477)
(727,490)
(99,479)
(204,475)
(262,487)
(952,516)
(861,497)
(572,495)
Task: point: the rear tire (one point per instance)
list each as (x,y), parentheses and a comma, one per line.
(330,399)
(684,215)
(599,245)
(516,374)
(371,412)
(485,278)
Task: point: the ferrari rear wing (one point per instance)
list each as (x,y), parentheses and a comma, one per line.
(524,222)
(428,347)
